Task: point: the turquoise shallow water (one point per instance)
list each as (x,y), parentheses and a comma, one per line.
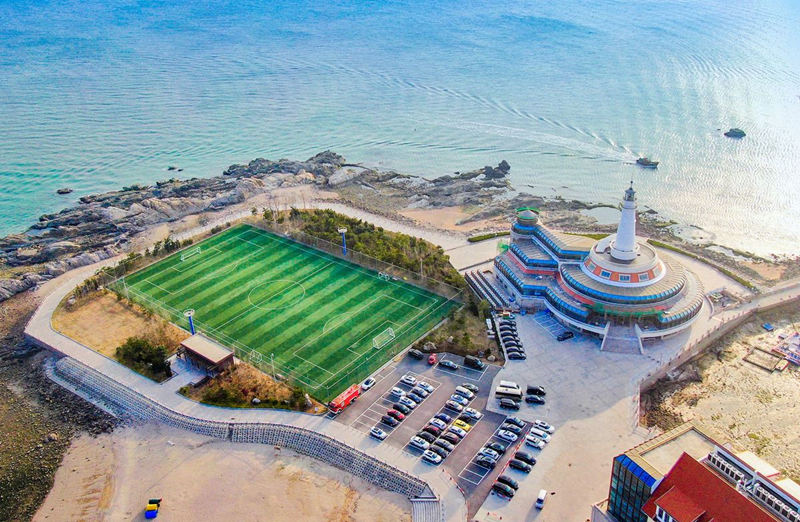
(96,95)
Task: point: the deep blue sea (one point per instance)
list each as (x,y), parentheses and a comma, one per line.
(95,95)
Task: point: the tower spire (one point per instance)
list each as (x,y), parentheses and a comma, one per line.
(623,247)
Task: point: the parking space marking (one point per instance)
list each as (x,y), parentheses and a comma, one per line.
(482,472)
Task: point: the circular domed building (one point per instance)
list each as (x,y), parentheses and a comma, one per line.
(619,287)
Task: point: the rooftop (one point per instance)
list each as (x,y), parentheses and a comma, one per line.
(206,348)
(657,455)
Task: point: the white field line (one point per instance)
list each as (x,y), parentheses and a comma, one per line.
(203,259)
(157,286)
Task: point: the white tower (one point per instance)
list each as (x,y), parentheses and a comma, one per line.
(624,247)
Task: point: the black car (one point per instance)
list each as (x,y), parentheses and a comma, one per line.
(508,329)
(519,465)
(508,481)
(514,348)
(442,452)
(534,399)
(496,446)
(474,362)
(401,408)
(416,354)
(443,417)
(516,430)
(512,342)
(503,490)
(507,322)
(414,397)
(535,390)
(517,356)
(427,437)
(451,437)
(509,335)
(516,421)
(525,457)
(449,365)
(470,387)
(563,336)
(390,421)
(485,462)
(509,404)
(443,443)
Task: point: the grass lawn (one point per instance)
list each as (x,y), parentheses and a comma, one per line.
(264,295)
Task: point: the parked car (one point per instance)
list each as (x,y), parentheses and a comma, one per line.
(563,336)
(431,457)
(459,399)
(377,433)
(489,453)
(405,410)
(460,390)
(438,423)
(485,462)
(368,383)
(514,348)
(420,392)
(496,446)
(419,443)
(443,417)
(444,444)
(432,359)
(408,403)
(541,498)
(474,362)
(515,421)
(390,421)
(508,481)
(539,433)
(450,437)
(535,390)
(450,365)
(507,435)
(534,441)
(408,379)
(507,322)
(414,397)
(450,405)
(470,387)
(517,356)
(525,457)
(534,399)
(397,392)
(502,490)
(472,413)
(519,465)
(439,450)
(425,386)
(433,430)
(416,354)
(427,437)
(458,431)
(509,404)
(516,430)
(396,414)
(542,425)
(458,423)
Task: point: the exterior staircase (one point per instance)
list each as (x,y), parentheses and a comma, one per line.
(622,339)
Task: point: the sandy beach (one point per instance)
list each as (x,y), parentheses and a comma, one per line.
(110,477)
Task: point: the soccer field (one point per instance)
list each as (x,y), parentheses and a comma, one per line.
(323,321)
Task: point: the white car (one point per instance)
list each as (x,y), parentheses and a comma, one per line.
(535,442)
(377,433)
(431,457)
(397,392)
(408,403)
(425,386)
(542,425)
(439,423)
(367,384)
(490,453)
(408,379)
(472,413)
(419,443)
(459,399)
(458,431)
(539,433)
(450,405)
(507,435)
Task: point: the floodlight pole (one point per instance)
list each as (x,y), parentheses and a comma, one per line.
(272,362)
(343,231)
(189,314)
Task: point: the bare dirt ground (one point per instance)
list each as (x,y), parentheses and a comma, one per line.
(755,409)
(450,218)
(112,476)
(102,322)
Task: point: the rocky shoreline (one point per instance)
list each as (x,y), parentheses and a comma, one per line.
(105,225)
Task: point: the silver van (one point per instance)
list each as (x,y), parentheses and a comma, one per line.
(509,384)
(460,390)
(541,434)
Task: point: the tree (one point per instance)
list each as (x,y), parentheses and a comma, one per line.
(145,357)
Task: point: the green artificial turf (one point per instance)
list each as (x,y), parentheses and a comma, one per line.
(262,295)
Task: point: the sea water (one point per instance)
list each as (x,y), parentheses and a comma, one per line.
(96,95)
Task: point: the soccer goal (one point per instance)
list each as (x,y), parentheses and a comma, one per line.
(383,338)
(189,253)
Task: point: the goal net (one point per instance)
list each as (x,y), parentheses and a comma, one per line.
(189,253)
(383,338)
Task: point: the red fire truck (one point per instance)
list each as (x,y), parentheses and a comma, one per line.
(344,399)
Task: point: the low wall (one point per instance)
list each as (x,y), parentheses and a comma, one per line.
(124,402)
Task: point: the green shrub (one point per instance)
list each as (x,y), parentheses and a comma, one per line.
(143,356)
